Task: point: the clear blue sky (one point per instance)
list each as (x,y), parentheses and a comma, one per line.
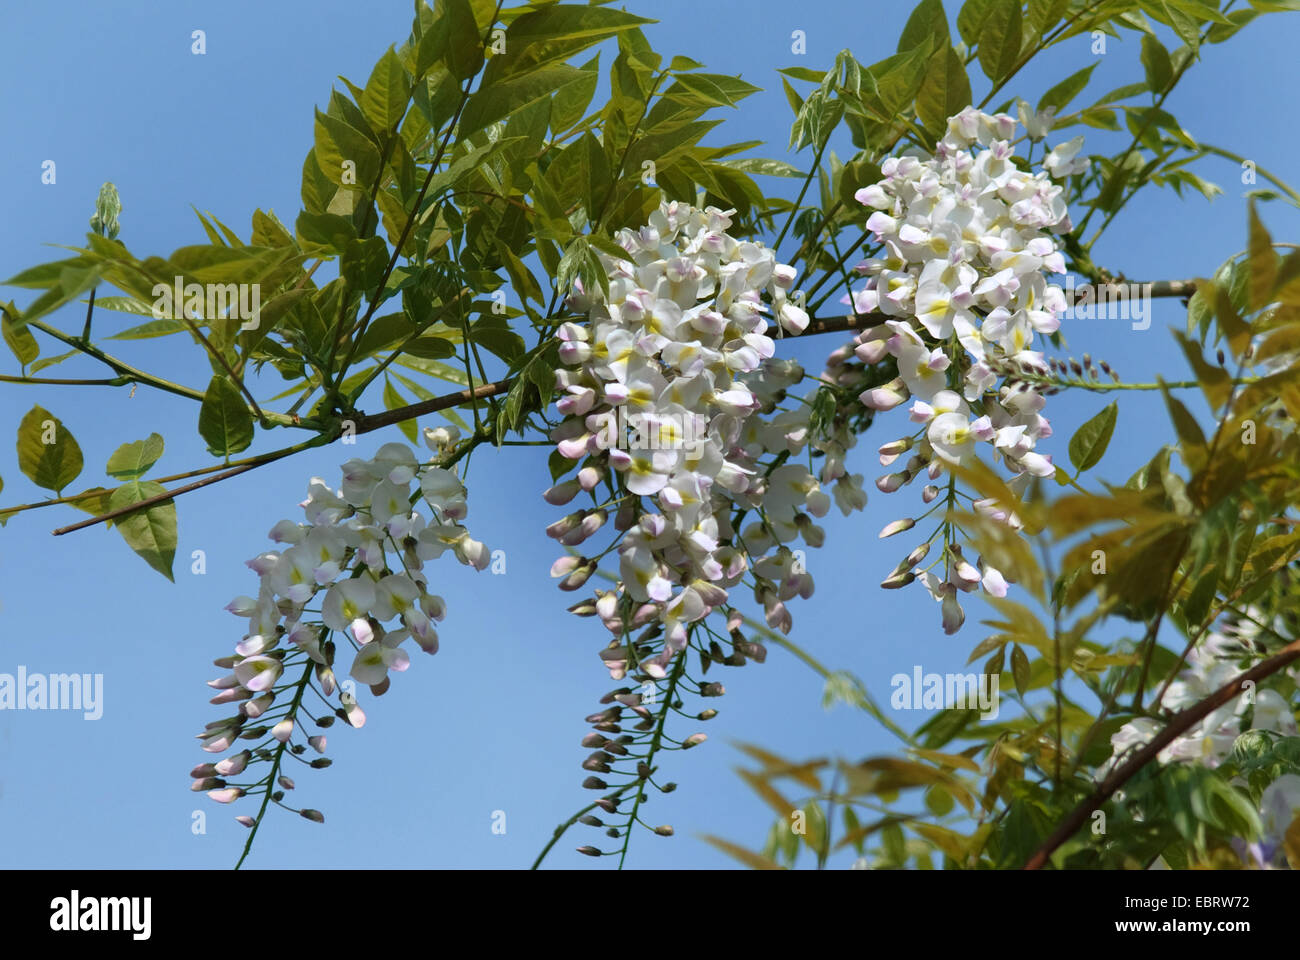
(110,91)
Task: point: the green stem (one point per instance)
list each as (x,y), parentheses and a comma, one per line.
(679,667)
(279,755)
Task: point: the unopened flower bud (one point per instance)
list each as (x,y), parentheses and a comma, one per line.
(916,556)
(891,451)
(897,580)
(562,493)
(897,526)
(891,482)
(315,816)
(579,577)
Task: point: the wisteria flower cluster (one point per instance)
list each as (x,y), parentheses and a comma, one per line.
(966,243)
(661,388)
(361,554)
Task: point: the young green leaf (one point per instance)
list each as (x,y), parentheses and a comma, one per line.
(945,90)
(19,338)
(131,461)
(151,532)
(1019,669)
(999,46)
(1059,96)
(47,452)
(1155,60)
(1089,442)
(224,421)
(387,93)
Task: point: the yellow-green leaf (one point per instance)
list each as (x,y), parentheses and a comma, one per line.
(132,460)
(47,452)
(755,861)
(1263,262)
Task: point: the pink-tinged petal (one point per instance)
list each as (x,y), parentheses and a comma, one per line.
(994,582)
(235,765)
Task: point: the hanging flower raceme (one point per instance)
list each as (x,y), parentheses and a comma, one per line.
(662,388)
(677,427)
(967,242)
(358,560)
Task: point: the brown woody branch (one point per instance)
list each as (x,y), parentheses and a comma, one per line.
(366,424)
(1178,723)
